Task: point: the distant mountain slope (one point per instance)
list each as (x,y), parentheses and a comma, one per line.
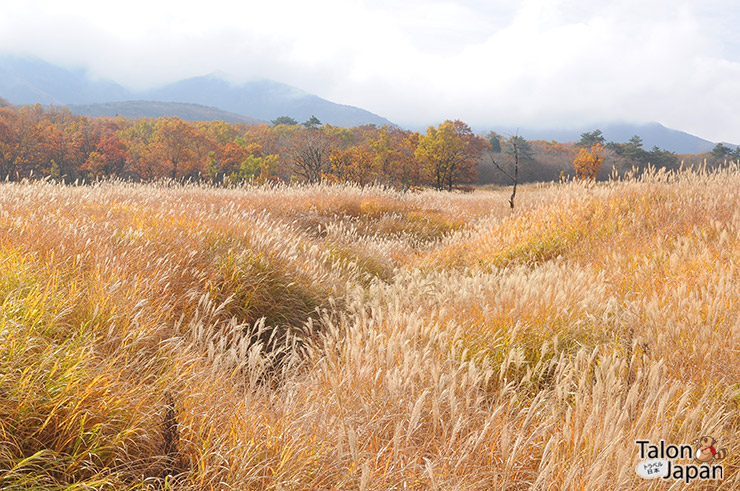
(655,134)
(155,109)
(30,81)
(652,134)
(263,99)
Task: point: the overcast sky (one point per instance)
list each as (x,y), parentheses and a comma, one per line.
(548,63)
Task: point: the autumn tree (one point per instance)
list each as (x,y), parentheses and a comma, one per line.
(341,137)
(9,142)
(108,155)
(270,139)
(181,147)
(340,161)
(219,132)
(258,169)
(142,161)
(588,161)
(395,155)
(354,164)
(172,144)
(22,152)
(226,160)
(343,164)
(450,153)
(60,144)
(309,154)
(35,141)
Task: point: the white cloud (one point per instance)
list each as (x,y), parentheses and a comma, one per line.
(547,62)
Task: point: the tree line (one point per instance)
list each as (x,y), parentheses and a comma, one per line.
(37,142)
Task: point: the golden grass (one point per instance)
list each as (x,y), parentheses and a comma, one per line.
(335,337)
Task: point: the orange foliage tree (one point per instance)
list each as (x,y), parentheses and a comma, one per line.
(588,161)
(27,151)
(9,142)
(173,146)
(107,156)
(226,160)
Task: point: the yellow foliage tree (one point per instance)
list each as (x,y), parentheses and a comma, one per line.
(450,154)
(588,161)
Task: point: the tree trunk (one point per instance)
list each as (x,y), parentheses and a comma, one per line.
(516,175)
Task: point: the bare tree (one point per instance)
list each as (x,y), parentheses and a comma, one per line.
(310,154)
(515,149)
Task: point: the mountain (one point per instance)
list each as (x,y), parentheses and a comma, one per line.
(652,134)
(30,81)
(156,109)
(263,99)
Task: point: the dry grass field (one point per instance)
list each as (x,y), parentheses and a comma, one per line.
(338,338)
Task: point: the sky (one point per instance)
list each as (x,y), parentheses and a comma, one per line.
(536,63)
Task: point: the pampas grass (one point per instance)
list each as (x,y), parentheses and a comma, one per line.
(336,337)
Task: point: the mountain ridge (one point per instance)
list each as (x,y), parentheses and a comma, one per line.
(25,80)
(264,100)
(159,109)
